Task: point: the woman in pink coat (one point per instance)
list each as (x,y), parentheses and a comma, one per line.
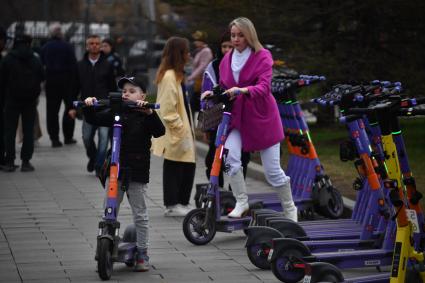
(246,74)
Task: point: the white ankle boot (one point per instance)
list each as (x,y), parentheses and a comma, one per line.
(288,206)
(239,191)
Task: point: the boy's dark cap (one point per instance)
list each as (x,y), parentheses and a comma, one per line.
(133,80)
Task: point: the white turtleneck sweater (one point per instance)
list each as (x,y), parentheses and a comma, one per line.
(238,61)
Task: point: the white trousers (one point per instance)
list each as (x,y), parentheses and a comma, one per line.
(270,158)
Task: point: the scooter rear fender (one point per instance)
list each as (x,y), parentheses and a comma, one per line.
(260,234)
(281,244)
(288,228)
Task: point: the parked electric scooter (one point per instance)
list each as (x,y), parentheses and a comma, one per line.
(408,262)
(289,252)
(110,247)
(368,224)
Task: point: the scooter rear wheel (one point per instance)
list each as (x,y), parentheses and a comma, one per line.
(325,272)
(335,206)
(194,230)
(130,234)
(104,261)
(282,267)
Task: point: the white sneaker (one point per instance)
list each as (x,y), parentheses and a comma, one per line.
(239,210)
(175,210)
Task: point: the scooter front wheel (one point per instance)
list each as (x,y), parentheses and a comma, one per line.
(283,267)
(194,229)
(104,261)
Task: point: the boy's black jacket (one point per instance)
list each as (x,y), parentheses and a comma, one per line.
(137,131)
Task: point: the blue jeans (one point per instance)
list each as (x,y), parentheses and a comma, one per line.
(95,153)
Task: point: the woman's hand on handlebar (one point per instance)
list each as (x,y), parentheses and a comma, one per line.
(141,103)
(90,101)
(206,94)
(235,91)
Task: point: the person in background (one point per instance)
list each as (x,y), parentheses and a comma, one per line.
(139,126)
(3,39)
(203,56)
(177,145)
(95,79)
(113,58)
(21,74)
(246,74)
(60,64)
(210,80)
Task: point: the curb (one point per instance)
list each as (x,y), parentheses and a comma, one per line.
(255,171)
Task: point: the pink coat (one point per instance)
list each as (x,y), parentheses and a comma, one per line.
(255,115)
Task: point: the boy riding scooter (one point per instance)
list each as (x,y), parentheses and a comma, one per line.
(138,127)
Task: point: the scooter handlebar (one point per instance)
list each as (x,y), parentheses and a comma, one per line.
(411,112)
(105,103)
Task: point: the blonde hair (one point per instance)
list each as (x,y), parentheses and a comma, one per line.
(248,30)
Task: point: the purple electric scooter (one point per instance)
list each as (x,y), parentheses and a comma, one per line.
(408,263)
(368,228)
(110,247)
(287,254)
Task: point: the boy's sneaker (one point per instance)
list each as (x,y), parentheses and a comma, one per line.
(176,210)
(142,262)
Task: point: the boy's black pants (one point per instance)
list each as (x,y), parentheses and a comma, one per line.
(177,178)
(13,109)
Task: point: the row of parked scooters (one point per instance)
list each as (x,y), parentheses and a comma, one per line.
(387,223)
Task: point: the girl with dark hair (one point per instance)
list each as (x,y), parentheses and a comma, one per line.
(113,58)
(177,145)
(210,80)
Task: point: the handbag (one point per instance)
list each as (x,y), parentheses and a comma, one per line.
(209,118)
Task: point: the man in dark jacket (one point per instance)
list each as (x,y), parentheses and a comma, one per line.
(21,73)
(95,79)
(61,67)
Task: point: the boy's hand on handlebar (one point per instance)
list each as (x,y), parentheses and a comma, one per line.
(90,101)
(141,103)
(206,94)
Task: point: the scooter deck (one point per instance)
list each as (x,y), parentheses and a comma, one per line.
(353,259)
(340,245)
(227,224)
(126,252)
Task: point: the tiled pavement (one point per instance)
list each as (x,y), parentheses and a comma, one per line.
(48,227)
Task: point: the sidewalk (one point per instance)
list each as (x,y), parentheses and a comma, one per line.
(48,226)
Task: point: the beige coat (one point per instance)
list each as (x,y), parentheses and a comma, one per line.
(178,142)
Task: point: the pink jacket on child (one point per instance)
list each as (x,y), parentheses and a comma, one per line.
(255,115)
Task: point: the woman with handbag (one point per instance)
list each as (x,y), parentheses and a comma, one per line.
(177,145)
(246,74)
(210,80)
